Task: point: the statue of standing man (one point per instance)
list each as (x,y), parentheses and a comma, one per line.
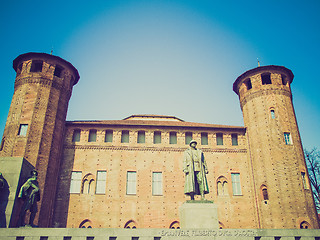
(195,169)
(30,194)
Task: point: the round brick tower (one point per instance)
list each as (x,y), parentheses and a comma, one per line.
(282,189)
(36,120)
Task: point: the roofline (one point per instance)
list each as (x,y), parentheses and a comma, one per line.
(35,54)
(141,123)
(152,116)
(259,69)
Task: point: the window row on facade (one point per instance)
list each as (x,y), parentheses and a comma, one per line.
(157,137)
(37,66)
(141,138)
(86,184)
(265,80)
(90,185)
(131,224)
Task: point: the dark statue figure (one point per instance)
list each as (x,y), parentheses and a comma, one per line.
(195,169)
(4,197)
(30,194)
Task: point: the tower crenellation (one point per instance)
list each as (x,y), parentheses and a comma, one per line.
(36,121)
(274,148)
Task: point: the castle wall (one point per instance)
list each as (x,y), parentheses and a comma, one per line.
(115,208)
(133,178)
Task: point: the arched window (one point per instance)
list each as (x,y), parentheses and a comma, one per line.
(284,79)
(304,180)
(264,193)
(221,225)
(273,115)
(87,184)
(222,186)
(90,186)
(304,225)
(130,224)
(175,225)
(85,224)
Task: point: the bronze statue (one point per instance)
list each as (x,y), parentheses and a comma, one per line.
(195,169)
(30,194)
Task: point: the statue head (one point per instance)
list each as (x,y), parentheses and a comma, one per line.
(193,143)
(34,174)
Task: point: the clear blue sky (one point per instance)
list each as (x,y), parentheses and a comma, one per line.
(167,57)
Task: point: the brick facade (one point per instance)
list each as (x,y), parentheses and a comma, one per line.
(257,173)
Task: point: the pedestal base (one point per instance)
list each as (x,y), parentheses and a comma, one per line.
(199,214)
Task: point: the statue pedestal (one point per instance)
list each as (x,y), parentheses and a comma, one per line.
(199,214)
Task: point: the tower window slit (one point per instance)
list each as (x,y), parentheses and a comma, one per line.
(266,78)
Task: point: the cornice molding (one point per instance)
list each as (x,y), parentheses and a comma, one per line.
(264,92)
(163,149)
(42,81)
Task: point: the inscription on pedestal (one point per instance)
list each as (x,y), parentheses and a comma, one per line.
(208,233)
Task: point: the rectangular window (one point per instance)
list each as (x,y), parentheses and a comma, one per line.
(234,139)
(125,136)
(75,184)
(157,137)
(287,138)
(266,78)
(284,79)
(76,135)
(173,138)
(304,181)
(23,130)
(204,138)
(219,138)
(108,136)
(248,84)
(92,135)
(188,137)
(131,183)
(236,186)
(157,183)
(101,182)
(58,71)
(141,137)
(36,66)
